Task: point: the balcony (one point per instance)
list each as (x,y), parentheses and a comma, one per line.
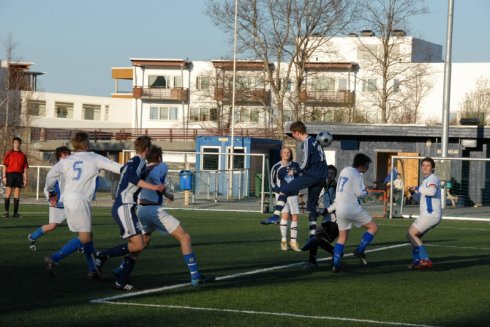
(175,94)
(243,96)
(327,98)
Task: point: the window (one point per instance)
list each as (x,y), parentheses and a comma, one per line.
(369,85)
(106,112)
(210,161)
(396,85)
(202,82)
(285,83)
(164,82)
(248,115)
(91,112)
(64,110)
(163,113)
(321,84)
(342,84)
(36,108)
(238,161)
(288,115)
(204,114)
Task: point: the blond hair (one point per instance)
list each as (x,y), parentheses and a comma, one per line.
(80,141)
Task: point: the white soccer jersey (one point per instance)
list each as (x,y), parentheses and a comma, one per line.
(79,171)
(430,196)
(350,186)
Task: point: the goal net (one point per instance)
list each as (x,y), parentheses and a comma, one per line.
(465,187)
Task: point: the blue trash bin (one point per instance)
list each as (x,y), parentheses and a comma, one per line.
(185,178)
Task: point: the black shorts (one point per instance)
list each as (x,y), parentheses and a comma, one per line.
(15,180)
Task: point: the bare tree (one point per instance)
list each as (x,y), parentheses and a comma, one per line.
(388,20)
(284,33)
(476,103)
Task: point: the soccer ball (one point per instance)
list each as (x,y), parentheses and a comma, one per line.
(324,138)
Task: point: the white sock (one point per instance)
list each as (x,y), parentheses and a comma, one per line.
(294,230)
(284,229)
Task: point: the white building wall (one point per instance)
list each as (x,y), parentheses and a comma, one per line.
(119,115)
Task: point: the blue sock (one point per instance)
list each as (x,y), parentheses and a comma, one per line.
(190,260)
(128,266)
(415,254)
(281,202)
(366,239)
(89,251)
(422,254)
(117,251)
(67,249)
(37,233)
(337,254)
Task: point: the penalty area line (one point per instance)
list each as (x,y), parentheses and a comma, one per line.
(265,313)
(247,273)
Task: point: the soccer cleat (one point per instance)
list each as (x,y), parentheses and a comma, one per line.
(422,265)
(272,220)
(98,261)
(294,246)
(15,215)
(32,243)
(284,245)
(202,280)
(361,257)
(80,250)
(123,287)
(5,214)
(50,265)
(335,269)
(310,266)
(312,242)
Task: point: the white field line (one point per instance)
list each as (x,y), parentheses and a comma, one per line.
(279,314)
(247,273)
(441,227)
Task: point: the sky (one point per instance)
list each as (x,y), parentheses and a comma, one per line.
(78,42)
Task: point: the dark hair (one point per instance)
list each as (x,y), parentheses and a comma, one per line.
(142,143)
(61,150)
(332,167)
(18,139)
(80,141)
(298,126)
(361,160)
(155,154)
(429,159)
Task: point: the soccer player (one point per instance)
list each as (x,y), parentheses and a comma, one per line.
(79,171)
(14,175)
(430,213)
(281,173)
(124,213)
(350,189)
(312,175)
(327,231)
(56,212)
(153,216)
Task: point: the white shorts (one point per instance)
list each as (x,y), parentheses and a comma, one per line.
(78,215)
(56,215)
(349,213)
(426,222)
(154,217)
(292,205)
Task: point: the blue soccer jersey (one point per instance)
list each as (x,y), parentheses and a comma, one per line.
(279,174)
(155,174)
(314,162)
(131,172)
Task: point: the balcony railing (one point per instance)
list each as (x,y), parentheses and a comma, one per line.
(175,94)
(130,134)
(327,98)
(243,96)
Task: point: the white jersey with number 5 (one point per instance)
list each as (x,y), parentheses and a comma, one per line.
(79,171)
(350,186)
